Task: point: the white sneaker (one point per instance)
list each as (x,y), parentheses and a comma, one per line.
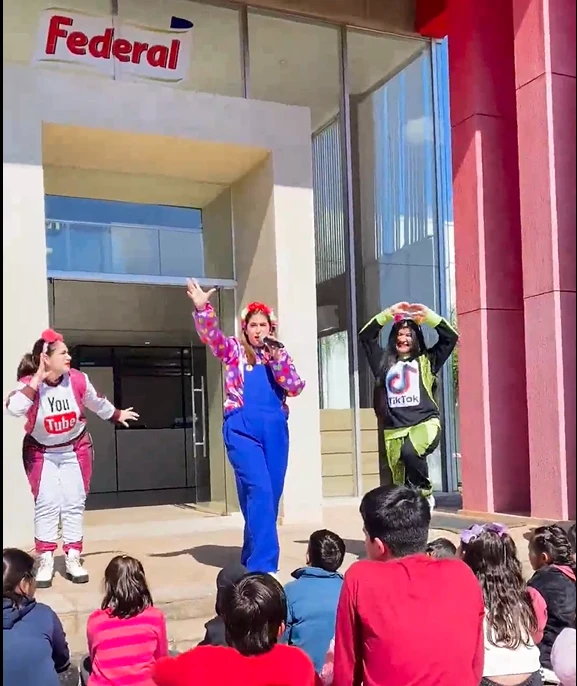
(432,502)
(45,572)
(75,572)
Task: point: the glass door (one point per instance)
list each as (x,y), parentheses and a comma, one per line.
(214,480)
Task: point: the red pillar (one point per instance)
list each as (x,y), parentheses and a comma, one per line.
(545,80)
(493,410)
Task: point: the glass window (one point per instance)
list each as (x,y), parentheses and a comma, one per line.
(144,376)
(298,63)
(395,193)
(331,273)
(215,54)
(295,63)
(104,236)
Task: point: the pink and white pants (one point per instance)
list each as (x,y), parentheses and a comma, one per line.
(59,479)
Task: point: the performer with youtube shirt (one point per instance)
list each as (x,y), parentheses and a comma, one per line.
(259,376)
(57,448)
(405,385)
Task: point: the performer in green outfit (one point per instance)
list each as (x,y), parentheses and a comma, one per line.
(405,384)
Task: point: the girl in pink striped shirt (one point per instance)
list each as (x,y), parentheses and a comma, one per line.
(127,635)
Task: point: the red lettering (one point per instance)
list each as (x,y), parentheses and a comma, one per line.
(60,423)
(157,56)
(121,49)
(77,42)
(138,51)
(173,56)
(55,32)
(105,46)
(101,46)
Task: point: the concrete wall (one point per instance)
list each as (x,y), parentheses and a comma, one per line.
(24,294)
(337,452)
(149,111)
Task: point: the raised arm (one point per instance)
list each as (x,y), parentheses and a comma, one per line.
(20,400)
(225,348)
(285,374)
(446,343)
(369,335)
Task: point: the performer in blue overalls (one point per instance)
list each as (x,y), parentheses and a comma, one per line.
(259,376)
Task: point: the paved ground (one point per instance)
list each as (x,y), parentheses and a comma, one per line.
(182,550)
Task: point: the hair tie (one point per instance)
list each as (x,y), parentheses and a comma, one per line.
(469,535)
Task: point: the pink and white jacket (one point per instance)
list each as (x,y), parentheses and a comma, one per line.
(230,352)
(55,412)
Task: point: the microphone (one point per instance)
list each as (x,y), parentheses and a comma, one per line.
(272,342)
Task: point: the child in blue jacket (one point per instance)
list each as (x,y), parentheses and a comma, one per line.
(35,650)
(313,597)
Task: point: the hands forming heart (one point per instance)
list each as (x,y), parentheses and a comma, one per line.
(416,311)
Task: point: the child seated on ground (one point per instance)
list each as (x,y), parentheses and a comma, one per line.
(313,597)
(441,549)
(552,557)
(215,634)
(564,653)
(514,616)
(35,650)
(128,634)
(254,615)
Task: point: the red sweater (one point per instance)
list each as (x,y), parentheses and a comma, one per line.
(218,666)
(414,621)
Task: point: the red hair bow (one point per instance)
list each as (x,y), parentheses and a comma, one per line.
(50,336)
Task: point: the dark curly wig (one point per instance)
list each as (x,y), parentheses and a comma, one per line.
(511,619)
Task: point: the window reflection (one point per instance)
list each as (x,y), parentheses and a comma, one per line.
(102,236)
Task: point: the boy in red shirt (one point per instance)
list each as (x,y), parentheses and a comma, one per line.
(404,618)
(254,613)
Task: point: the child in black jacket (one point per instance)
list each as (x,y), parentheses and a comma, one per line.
(553,560)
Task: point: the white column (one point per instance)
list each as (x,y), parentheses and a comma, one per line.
(25,294)
(297,311)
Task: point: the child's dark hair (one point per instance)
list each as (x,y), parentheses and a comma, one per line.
(571,536)
(441,549)
(126,592)
(18,566)
(326,550)
(253,611)
(554,543)
(511,619)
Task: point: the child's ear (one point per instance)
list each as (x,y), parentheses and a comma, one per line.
(281,629)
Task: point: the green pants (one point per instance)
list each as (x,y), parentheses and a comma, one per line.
(407,450)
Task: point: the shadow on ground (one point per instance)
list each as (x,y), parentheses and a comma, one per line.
(210,555)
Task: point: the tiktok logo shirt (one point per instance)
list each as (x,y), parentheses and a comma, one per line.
(403,385)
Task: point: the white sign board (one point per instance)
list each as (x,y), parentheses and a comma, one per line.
(114,48)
